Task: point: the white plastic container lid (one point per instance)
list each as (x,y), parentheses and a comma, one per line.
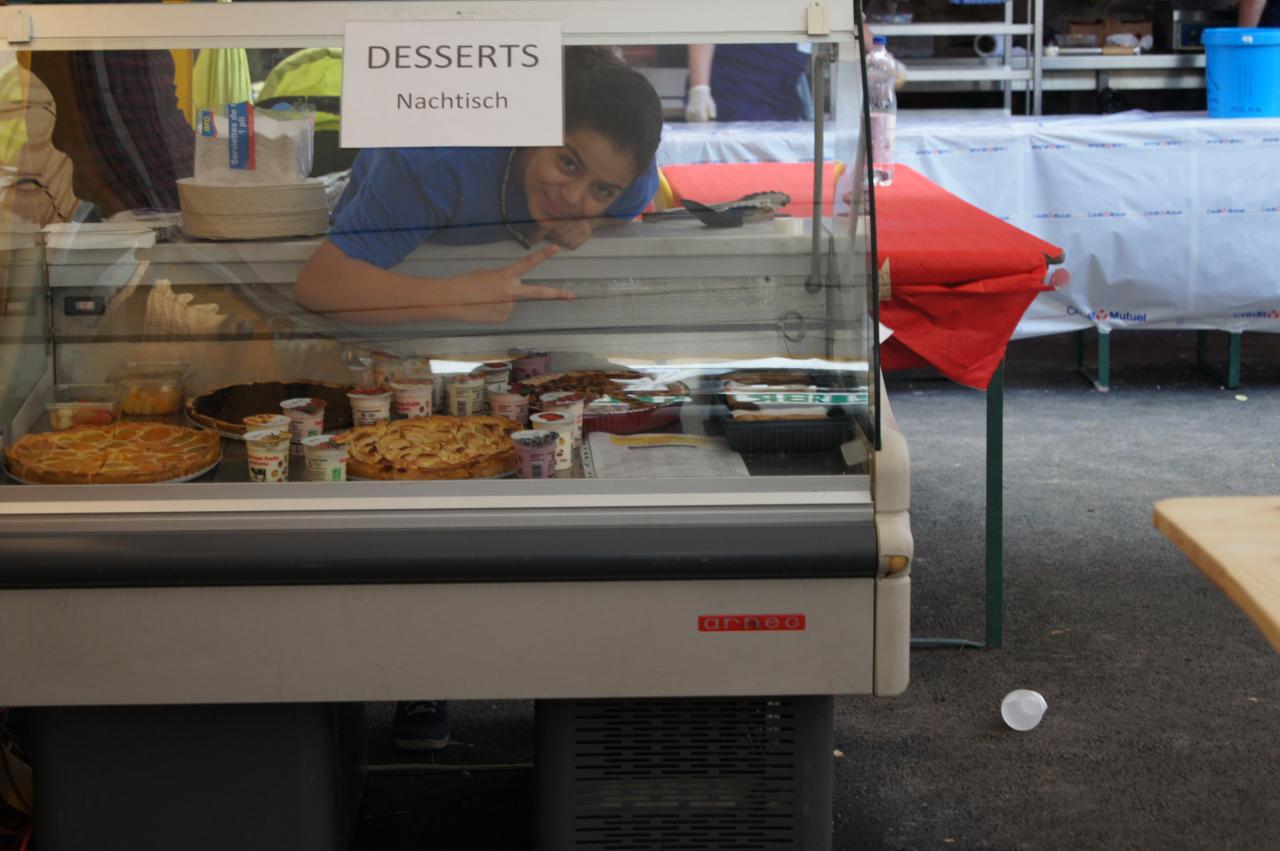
(1022,709)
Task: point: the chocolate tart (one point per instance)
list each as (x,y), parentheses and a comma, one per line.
(224,409)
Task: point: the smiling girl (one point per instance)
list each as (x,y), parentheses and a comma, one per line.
(399,198)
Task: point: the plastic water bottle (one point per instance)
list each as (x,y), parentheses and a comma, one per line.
(882,78)
(1022,709)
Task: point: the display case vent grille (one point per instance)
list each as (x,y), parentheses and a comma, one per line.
(706,774)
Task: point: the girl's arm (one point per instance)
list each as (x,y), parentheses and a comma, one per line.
(355,291)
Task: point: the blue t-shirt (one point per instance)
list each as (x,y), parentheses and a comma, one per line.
(399,198)
(758,82)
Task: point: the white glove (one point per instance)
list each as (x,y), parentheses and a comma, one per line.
(699,105)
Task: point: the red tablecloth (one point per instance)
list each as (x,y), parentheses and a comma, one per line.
(715,183)
(960,279)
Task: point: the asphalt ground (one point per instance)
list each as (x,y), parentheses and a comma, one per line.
(1163,728)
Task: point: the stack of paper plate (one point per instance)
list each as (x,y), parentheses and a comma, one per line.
(253,212)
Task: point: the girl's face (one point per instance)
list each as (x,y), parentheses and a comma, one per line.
(578,180)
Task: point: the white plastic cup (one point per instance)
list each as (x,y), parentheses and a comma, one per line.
(562,425)
(505,402)
(465,395)
(268,455)
(412,397)
(306,418)
(326,460)
(571,405)
(1022,709)
(370,406)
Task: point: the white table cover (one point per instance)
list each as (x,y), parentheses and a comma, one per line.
(1168,220)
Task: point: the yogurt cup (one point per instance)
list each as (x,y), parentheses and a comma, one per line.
(506,402)
(326,460)
(465,395)
(570,404)
(411,397)
(370,406)
(267,422)
(528,364)
(536,453)
(268,453)
(562,425)
(306,417)
(495,372)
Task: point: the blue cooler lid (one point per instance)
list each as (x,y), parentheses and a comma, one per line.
(1241,36)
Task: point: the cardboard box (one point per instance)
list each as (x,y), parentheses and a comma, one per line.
(1110,26)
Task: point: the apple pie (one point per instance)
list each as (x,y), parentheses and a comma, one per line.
(117,454)
(432,448)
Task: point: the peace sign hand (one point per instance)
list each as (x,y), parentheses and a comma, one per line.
(490,295)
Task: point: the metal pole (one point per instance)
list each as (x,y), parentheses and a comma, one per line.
(995,508)
(1037,53)
(820,59)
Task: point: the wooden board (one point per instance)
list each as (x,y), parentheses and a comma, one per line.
(1235,541)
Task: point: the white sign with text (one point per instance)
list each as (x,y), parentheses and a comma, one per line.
(452,84)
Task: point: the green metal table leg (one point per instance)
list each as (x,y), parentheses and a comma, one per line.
(995,508)
(1231,380)
(994,523)
(1101,379)
(1233,360)
(1104,362)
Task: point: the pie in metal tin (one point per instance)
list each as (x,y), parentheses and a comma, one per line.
(116,454)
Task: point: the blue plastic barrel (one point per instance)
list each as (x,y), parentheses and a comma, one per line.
(1242,72)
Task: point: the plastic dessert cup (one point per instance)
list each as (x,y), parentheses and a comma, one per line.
(326,460)
(82,404)
(411,397)
(555,421)
(370,406)
(528,364)
(465,395)
(536,453)
(505,402)
(306,418)
(268,452)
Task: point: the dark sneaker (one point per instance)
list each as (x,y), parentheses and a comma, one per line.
(421,725)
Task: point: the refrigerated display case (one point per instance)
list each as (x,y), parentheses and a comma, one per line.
(726,546)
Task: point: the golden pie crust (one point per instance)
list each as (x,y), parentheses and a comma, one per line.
(117,454)
(432,448)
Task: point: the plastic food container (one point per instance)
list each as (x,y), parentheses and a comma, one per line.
(326,460)
(260,422)
(268,453)
(370,406)
(151,389)
(570,404)
(465,395)
(536,453)
(496,372)
(306,418)
(412,397)
(506,401)
(528,364)
(82,404)
(562,426)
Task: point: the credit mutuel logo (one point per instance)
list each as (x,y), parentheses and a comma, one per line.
(751,623)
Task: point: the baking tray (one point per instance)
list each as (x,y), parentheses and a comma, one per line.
(189,478)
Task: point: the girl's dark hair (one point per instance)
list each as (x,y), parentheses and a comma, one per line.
(603,94)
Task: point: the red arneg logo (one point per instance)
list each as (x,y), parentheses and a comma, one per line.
(750,623)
